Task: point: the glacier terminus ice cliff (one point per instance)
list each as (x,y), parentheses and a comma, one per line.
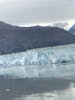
(41,62)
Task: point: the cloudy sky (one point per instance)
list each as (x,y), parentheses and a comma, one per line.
(36,11)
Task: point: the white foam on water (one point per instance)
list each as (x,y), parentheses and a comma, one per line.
(7,90)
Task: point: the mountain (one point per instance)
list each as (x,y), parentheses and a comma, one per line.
(66,25)
(72,29)
(16,39)
(62,25)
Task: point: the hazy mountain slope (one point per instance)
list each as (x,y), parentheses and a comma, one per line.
(62,25)
(16,39)
(72,29)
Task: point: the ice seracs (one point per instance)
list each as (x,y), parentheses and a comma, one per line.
(43,56)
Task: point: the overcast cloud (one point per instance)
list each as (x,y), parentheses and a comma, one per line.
(36,11)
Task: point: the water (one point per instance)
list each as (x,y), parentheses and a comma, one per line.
(66,94)
(52,70)
(59,84)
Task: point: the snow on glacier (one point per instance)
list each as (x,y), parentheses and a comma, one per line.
(41,62)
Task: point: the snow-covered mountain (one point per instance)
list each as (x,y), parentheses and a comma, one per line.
(63,25)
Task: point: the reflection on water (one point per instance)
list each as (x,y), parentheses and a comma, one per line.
(67,94)
(45,87)
(37,89)
(64,70)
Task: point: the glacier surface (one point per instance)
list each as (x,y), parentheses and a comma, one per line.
(43,56)
(42,62)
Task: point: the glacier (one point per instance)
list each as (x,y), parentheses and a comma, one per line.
(41,62)
(40,56)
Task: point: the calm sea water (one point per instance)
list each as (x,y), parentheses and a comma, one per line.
(59,88)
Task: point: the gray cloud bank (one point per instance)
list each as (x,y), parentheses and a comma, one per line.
(35,11)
